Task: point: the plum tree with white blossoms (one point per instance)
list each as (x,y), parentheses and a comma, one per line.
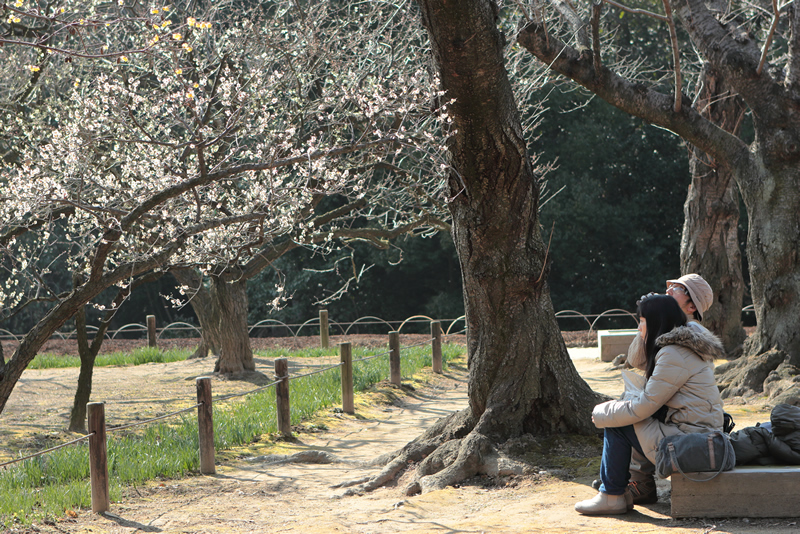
(205,138)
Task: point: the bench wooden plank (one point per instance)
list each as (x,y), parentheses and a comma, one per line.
(746,491)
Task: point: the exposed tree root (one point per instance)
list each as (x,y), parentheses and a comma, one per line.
(462,446)
(387,474)
(457,460)
(454,426)
(773,373)
(448,453)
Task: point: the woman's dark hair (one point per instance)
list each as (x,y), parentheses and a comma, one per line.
(661,314)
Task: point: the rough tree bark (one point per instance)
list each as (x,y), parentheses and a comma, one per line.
(87,353)
(230,316)
(521,379)
(221,309)
(209,342)
(765,171)
(710,241)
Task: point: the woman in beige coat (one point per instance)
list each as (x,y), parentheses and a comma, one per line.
(680,377)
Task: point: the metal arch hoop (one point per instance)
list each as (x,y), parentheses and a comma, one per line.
(608,312)
(749,307)
(265,321)
(10,334)
(450,326)
(129,327)
(413,317)
(315,319)
(334,323)
(89,327)
(170,325)
(573,313)
(367,317)
(96,329)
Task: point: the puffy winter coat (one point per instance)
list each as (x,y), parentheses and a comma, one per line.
(683,380)
(636,356)
(780,445)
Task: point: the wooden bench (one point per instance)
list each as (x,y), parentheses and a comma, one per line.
(612,343)
(746,491)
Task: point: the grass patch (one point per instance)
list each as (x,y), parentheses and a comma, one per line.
(46,487)
(137,357)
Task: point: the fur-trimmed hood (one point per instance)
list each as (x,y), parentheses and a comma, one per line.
(700,341)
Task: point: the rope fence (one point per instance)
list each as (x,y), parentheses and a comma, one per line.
(97,428)
(42,453)
(419,344)
(365,358)
(232,395)
(317,371)
(159,418)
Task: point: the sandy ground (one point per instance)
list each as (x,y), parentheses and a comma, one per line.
(254,495)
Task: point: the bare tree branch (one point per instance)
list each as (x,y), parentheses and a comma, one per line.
(676,58)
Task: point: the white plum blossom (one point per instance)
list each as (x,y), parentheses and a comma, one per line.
(197,137)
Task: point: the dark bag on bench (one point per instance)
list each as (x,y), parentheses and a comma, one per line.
(697,452)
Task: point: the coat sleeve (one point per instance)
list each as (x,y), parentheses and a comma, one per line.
(669,375)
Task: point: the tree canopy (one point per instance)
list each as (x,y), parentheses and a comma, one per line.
(200,136)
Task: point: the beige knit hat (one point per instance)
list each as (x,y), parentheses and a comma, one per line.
(699,291)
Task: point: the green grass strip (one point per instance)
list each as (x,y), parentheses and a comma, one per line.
(43,488)
(136,357)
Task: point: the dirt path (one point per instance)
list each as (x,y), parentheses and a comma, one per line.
(259,496)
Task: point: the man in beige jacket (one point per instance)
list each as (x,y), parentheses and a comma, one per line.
(694,296)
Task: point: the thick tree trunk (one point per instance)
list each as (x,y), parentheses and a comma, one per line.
(768,177)
(520,376)
(77,417)
(221,308)
(710,242)
(773,252)
(773,351)
(229,310)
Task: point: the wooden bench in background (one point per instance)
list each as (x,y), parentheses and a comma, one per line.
(746,491)
(612,343)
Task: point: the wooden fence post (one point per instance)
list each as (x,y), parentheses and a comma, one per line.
(98,460)
(282,397)
(151,330)
(205,425)
(323,329)
(394,358)
(436,346)
(346,357)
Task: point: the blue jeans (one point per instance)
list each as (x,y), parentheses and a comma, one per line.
(617,445)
